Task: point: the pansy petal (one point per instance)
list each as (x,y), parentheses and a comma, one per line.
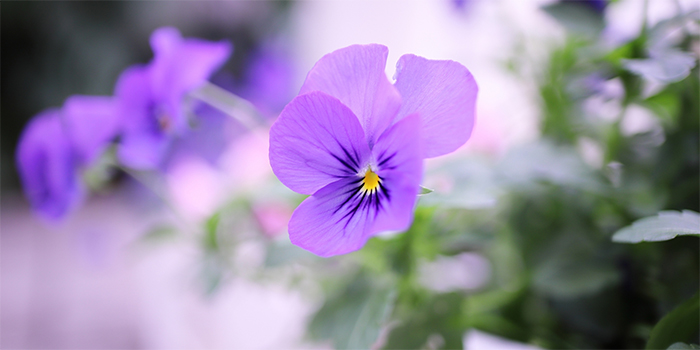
(46,166)
(400,166)
(315,141)
(143,150)
(91,123)
(444,94)
(180,65)
(340,217)
(355,75)
(331,222)
(135,99)
(143,142)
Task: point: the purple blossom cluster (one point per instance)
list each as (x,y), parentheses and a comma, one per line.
(146,113)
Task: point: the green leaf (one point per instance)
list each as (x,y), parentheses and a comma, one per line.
(576,17)
(681,324)
(424,190)
(666,105)
(663,227)
(354,318)
(211,240)
(683,346)
(666,66)
(543,162)
(159,233)
(282,252)
(463,183)
(435,323)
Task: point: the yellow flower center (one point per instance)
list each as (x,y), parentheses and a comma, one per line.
(371,181)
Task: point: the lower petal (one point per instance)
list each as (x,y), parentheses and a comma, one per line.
(47,168)
(340,217)
(330,223)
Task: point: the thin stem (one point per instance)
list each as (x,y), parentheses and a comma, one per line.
(234,106)
(645,14)
(157,192)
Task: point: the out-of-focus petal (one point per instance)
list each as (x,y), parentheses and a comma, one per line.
(355,75)
(143,143)
(444,94)
(143,150)
(269,81)
(91,123)
(135,99)
(315,141)
(180,65)
(400,165)
(46,166)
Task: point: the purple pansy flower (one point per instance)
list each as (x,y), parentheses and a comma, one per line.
(356,143)
(91,123)
(47,166)
(268,80)
(152,96)
(56,144)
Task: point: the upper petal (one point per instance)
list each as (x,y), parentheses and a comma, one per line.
(91,123)
(143,142)
(444,94)
(180,65)
(46,166)
(135,99)
(355,75)
(315,141)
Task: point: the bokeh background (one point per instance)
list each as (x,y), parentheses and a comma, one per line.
(511,250)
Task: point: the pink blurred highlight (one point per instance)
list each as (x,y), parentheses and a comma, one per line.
(272,217)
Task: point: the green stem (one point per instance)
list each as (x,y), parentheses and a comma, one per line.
(234,106)
(157,192)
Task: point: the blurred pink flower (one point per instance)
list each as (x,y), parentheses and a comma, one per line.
(272,217)
(195,187)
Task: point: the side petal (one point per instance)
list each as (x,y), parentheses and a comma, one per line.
(315,141)
(46,167)
(333,221)
(444,94)
(143,142)
(91,123)
(180,65)
(355,75)
(399,163)
(135,100)
(143,150)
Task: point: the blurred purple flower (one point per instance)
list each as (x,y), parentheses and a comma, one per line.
(151,96)
(55,144)
(47,166)
(268,80)
(596,5)
(91,123)
(352,143)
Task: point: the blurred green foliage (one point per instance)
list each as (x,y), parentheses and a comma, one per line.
(544,216)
